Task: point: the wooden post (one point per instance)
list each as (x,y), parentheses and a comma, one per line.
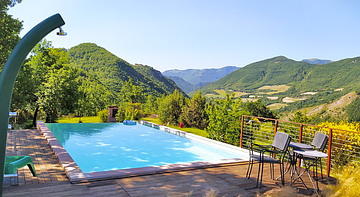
(329,153)
(242,130)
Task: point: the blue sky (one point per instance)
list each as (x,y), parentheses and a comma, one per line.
(184,34)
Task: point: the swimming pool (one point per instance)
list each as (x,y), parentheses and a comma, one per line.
(77,175)
(99,147)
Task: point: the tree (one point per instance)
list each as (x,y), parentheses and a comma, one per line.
(301,117)
(194,114)
(9,30)
(150,106)
(170,108)
(132,94)
(55,82)
(258,109)
(353,110)
(224,120)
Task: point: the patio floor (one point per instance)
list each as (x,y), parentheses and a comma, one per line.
(226,180)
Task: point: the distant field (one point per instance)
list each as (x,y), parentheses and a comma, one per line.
(275,106)
(291,100)
(238,94)
(221,92)
(89,119)
(309,93)
(215,96)
(248,99)
(275,88)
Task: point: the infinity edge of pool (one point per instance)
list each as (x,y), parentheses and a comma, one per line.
(76,175)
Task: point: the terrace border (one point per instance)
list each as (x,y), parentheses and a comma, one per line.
(76,175)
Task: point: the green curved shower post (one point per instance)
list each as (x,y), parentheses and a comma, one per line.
(10,71)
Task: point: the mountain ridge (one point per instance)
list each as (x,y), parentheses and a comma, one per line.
(112,70)
(316,61)
(195,76)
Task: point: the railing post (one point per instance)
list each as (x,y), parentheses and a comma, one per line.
(329,153)
(300,135)
(242,130)
(300,139)
(276,123)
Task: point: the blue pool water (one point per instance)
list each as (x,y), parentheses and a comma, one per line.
(112,146)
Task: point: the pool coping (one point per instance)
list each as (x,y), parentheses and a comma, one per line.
(76,175)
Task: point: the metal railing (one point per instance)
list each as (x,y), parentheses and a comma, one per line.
(343,145)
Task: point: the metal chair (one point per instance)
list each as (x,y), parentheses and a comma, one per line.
(319,143)
(277,151)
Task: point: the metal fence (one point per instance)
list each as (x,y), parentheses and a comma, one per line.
(343,146)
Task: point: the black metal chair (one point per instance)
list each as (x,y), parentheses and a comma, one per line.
(277,151)
(319,143)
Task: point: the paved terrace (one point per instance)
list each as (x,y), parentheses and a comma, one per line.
(227,180)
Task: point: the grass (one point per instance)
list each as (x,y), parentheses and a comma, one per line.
(195,131)
(276,88)
(348,178)
(89,119)
(221,92)
(275,106)
(238,94)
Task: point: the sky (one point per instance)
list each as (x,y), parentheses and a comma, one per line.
(199,34)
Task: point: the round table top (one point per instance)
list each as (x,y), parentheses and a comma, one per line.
(310,153)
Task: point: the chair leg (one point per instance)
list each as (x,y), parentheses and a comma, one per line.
(258,175)
(282,173)
(262,172)
(248,168)
(248,173)
(322,177)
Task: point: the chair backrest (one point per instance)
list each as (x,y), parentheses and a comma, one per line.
(281,141)
(320,140)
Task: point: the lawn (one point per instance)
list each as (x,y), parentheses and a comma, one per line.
(89,119)
(195,131)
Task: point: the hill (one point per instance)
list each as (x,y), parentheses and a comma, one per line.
(316,61)
(158,79)
(201,76)
(184,85)
(112,70)
(275,71)
(288,84)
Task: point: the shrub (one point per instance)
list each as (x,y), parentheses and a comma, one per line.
(103,114)
(346,142)
(225,120)
(348,178)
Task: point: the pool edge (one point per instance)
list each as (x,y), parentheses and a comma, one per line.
(76,175)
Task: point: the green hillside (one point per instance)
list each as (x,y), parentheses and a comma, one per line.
(158,80)
(112,70)
(282,82)
(276,71)
(184,85)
